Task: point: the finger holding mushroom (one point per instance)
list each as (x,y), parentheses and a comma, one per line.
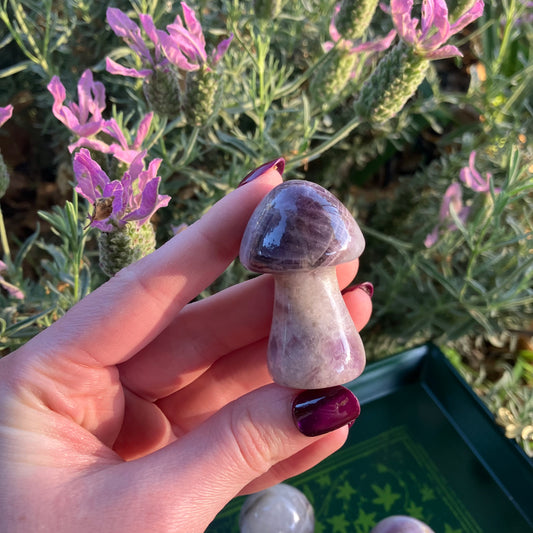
(299,233)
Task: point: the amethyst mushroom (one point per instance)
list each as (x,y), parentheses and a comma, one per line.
(299,233)
(281,508)
(401,524)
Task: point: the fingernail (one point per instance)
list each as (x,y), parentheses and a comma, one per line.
(320,411)
(365,286)
(278,164)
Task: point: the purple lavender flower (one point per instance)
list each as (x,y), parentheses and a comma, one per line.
(452,199)
(5,114)
(9,287)
(84,118)
(124,27)
(183,45)
(473,179)
(429,39)
(122,149)
(133,198)
(352,46)
(188,41)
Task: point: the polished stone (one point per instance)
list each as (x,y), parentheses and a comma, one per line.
(299,226)
(299,233)
(401,524)
(278,509)
(313,341)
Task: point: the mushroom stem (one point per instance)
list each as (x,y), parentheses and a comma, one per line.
(313,341)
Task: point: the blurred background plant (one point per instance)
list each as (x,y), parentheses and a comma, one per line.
(434,157)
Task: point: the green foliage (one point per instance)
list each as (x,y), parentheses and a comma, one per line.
(477,278)
(275,93)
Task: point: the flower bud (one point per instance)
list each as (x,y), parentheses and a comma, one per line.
(332,77)
(200,98)
(395,79)
(125,245)
(267,9)
(354,17)
(162,90)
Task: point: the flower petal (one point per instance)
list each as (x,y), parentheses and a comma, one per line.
(150,173)
(60,111)
(469,16)
(85,85)
(401,17)
(142,130)
(111,126)
(438,30)
(452,196)
(11,289)
(193,48)
(432,238)
(376,46)
(221,49)
(114,68)
(93,144)
(5,114)
(124,27)
(90,177)
(151,201)
(149,27)
(174,54)
(444,52)
(193,25)
(333,32)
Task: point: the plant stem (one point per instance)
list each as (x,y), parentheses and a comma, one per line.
(324,146)
(509,24)
(3,238)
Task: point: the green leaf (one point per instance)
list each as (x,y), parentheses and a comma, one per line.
(25,248)
(14,69)
(15,329)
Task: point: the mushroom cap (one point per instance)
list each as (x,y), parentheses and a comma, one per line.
(299,226)
(401,524)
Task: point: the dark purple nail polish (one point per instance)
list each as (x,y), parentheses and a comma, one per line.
(319,411)
(278,164)
(366,287)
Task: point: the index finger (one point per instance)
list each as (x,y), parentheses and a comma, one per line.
(132,308)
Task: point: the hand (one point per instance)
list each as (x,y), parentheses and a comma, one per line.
(140,412)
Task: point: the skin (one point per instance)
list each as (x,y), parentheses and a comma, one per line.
(139,412)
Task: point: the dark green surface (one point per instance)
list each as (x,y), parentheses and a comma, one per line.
(424,446)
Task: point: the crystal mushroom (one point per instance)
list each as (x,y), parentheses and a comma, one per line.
(401,524)
(299,233)
(281,508)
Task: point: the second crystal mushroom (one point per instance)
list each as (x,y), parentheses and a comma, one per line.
(299,233)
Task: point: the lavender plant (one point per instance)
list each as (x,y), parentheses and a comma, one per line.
(181,101)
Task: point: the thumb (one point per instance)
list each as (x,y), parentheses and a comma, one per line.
(256,441)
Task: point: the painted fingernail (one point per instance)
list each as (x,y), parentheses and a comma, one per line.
(365,286)
(278,164)
(320,411)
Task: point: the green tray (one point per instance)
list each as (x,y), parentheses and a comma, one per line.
(424,445)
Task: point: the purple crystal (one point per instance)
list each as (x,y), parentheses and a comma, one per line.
(401,524)
(281,508)
(299,225)
(298,233)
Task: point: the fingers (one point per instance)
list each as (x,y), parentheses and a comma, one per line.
(208,329)
(253,438)
(236,374)
(359,303)
(131,309)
